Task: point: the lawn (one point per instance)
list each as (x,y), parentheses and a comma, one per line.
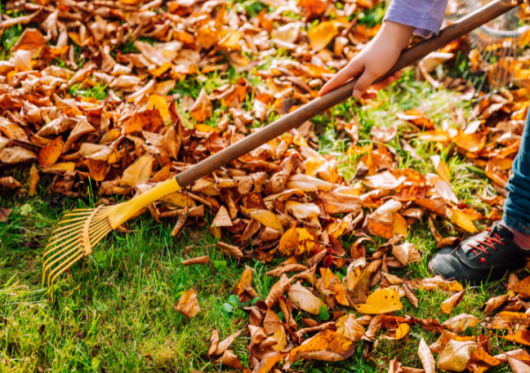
(116,310)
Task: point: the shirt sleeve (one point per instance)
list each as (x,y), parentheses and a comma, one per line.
(426,15)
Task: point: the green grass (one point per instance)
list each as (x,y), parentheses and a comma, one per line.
(113,312)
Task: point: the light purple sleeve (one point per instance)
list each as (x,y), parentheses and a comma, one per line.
(426,15)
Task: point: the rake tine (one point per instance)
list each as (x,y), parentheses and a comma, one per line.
(63,268)
(506,69)
(50,266)
(499,68)
(514,57)
(55,249)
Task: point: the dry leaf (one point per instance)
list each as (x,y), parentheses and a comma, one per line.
(455,355)
(494,303)
(327,346)
(4,214)
(225,343)
(9,182)
(460,323)
(139,172)
(427,360)
(51,152)
(349,327)
(381,301)
(452,302)
(230,359)
(304,299)
(188,304)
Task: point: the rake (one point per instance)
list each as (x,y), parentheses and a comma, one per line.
(80,230)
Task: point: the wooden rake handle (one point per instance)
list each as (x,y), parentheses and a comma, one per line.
(320,105)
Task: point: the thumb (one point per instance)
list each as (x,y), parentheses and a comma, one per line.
(354,68)
(363,83)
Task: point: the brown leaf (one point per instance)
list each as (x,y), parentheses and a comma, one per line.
(521,287)
(231,250)
(409,293)
(214,342)
(230,359)
(33,180)
(4,214)
(517,365)
(349,327)
(16,155)
(271,322)
(225,343)
(427,360)
(292,267)
(304,299)
(9,182)
(456,355)
(51,152)
(268,362)
(244,281)
(188,304)
(327,346)
(452,302)
(202,108)
(222,219)
(200,260)
(277,291)
(521,337)
(494,303)
(381,301)
(139,172)
(460,323)
(298,242)
(383,134)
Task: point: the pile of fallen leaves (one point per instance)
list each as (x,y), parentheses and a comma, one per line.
(283,198)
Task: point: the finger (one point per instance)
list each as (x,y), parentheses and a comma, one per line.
(384,83)
(391,79)
(370,95)
(363,83)
(354,68)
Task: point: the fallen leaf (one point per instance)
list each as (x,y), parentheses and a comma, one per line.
(304,299)
(202,108)
(521,287)
(349,327)
(461,219)
(322,34)
(229,359)
(326,346)
(494,303)
(225,343)
(33,180)
(427,360)
(51,152)
(298,242)
(452,302)
(188,304)
(9,182)
(381,301)
(139,172)
(214,341)
(456,355)
(442,169)
(521,337)
(460,323)
(4,214)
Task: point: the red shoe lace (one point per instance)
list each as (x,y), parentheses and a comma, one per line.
(487,242)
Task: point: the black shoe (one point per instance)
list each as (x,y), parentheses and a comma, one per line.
(484,257)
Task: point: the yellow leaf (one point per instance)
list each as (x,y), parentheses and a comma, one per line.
(139,172)
(160,103)
(204,128)
(322,34)
(442,169)
(462,220)
(298,241)
(402,331)
(381,301)
(265,217)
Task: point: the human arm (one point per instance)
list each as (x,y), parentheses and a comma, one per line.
(403,18)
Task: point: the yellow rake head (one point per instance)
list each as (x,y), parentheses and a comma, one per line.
(74,237)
